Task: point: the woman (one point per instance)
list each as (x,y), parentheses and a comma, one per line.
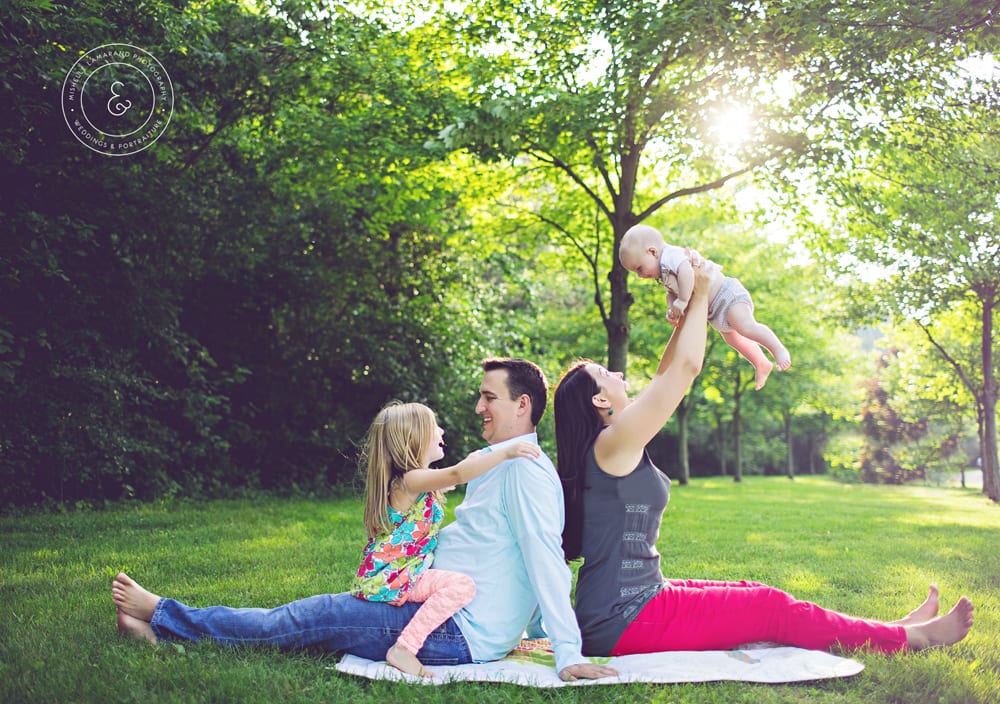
(615,498)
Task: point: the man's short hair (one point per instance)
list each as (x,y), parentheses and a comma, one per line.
(523,377)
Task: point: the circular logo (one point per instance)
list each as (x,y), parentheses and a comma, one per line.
(117,99)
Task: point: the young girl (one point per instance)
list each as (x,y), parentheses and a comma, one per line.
(402,516)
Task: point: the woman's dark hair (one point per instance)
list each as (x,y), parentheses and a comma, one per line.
(577,424)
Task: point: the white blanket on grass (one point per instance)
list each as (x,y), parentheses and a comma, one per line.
(533,665)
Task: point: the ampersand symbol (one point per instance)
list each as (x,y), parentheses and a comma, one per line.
(121,107)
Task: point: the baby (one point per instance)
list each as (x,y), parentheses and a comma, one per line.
(730,310)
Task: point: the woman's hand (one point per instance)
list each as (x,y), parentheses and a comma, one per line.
(586,671)
(704,270)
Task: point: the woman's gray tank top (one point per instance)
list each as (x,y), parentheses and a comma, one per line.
(621,568)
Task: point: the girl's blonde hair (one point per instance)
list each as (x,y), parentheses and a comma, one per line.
(397,441)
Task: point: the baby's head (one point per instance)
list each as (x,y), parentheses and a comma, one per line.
(639,251)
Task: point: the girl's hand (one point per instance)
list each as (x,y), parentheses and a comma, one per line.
(528,450)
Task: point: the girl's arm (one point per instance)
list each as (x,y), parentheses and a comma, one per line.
(420,480)
(619,448)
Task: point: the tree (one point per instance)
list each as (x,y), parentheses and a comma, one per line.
(921,207)
(228,307)
(623,101)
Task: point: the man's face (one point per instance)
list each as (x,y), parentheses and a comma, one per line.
(503,418)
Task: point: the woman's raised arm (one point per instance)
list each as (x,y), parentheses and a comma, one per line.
(619,447)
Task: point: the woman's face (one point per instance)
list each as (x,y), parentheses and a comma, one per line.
(435,448)
(613,385)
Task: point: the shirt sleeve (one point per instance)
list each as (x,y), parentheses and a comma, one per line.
(534,507)
(671,258)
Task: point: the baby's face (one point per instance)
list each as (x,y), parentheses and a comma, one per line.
(643,263)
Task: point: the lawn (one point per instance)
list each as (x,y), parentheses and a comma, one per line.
(861,549)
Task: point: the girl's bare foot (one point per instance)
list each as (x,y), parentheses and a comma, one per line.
(402,659)
(132,599)
(133,627)
(944,630)
(923,613)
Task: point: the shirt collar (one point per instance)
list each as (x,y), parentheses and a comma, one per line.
(527,437)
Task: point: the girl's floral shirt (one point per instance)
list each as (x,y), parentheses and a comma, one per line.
(394,560)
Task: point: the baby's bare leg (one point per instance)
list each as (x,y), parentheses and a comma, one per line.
(132,599)
(740,318)
(753,354)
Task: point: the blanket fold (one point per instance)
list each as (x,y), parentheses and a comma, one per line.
(533,665)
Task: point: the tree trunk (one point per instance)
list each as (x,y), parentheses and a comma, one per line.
(682,439)
(720,441)
(789,454)
(737,429)
(991,471)
(617,325)
(621,300)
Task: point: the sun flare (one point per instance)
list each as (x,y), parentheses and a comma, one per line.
(731,125)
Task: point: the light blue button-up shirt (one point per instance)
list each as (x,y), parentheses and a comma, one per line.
(507,536)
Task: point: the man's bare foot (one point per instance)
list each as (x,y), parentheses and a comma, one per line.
(944,630)
(132,627)
(923,613)
(402,659)
(763,369)
(132,599)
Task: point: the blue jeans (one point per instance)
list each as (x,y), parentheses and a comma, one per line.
(334,622)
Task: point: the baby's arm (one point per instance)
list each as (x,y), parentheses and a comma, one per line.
(685,287)
(672,315)
(477,463)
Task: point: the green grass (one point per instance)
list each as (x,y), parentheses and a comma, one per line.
(867,550)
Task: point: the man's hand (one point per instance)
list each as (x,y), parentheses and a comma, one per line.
(586,671)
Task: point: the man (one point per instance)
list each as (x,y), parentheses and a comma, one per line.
(507,536)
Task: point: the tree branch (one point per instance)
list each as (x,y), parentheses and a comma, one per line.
(537,152)
(953,363)
(575,241)
(711,186)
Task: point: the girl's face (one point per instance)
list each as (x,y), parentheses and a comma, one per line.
(435,448)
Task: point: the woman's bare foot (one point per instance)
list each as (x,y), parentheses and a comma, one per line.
(923,613)
(133,627)
(402,659)
(132,599)
(944,630)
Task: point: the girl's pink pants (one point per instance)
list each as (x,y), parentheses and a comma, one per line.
(443,594)
(703,615)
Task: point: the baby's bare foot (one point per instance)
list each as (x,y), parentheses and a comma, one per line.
(403,659)
(132,627)
(923,613)
(132,599)
(763,371)
(944,630)
(782,359)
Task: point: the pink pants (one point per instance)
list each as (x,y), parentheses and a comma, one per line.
(702,615)
(443,595)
